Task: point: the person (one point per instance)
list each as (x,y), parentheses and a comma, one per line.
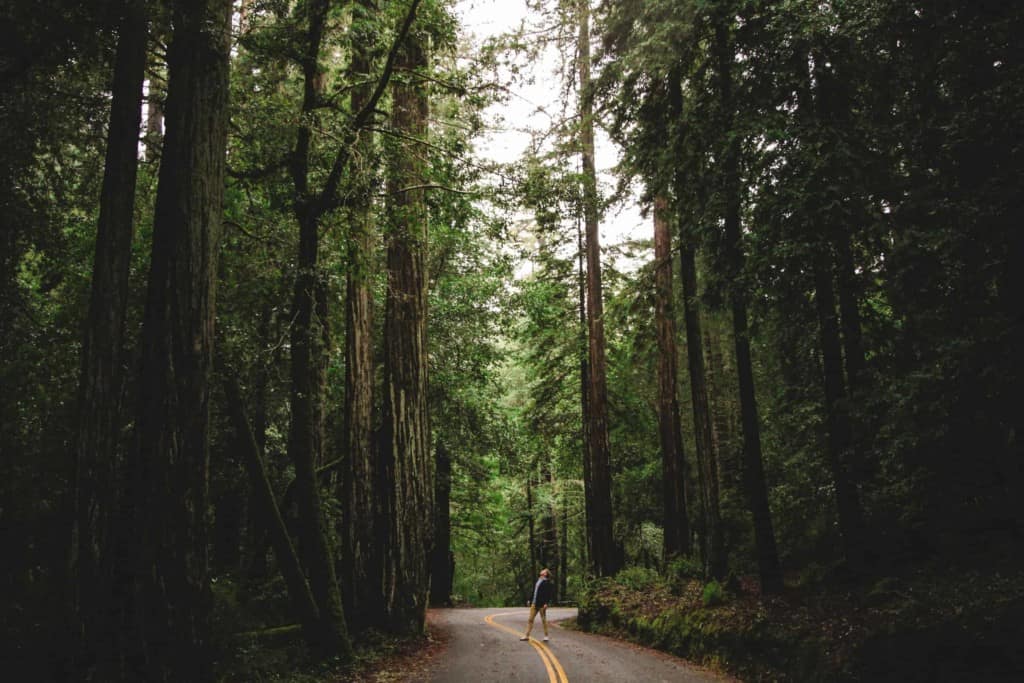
(543,592)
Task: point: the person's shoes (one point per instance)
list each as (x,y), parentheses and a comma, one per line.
(524,638)
(546,639)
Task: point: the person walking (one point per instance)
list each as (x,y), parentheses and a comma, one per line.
(543,592)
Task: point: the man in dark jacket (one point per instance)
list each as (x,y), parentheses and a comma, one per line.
(543,592)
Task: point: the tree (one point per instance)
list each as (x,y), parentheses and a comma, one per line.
(730,188)
(164,591)
(676,525)
(361,558)
(405,469)
(97,451)
(603,553)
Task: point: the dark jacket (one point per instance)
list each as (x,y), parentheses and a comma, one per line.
(545,592)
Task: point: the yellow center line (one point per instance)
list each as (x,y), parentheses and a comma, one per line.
(551,662)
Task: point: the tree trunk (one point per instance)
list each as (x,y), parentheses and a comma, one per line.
(851,521)
(362,557)
(96,453)
(753,468)
(308,338)
(531,533)
(588,507)
(603,554)
(822,111)
(441,573)
(707,452)
(548,550)
(406,464)
(166,630)
(673,465)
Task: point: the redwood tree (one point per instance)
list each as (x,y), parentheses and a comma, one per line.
(165,597)
(405,469)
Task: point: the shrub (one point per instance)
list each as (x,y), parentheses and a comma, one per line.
(637,578)
(713,594)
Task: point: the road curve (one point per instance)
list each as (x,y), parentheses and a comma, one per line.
(484,647)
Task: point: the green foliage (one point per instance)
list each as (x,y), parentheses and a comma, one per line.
(637,578)
(713,594)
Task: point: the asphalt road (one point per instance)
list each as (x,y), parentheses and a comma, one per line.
(484,647)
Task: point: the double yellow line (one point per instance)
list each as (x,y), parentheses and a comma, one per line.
(556,674)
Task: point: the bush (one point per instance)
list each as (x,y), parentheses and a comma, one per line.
(637,578)
(713,594)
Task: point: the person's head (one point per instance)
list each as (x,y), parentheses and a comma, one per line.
(545,573)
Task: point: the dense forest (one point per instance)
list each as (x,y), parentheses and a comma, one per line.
(285,358)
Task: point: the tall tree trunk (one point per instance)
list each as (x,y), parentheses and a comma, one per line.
(753,468)
(405,444)
(821,110)
(549,555)
(362,557)
(96,452)
(588,506)
(603,553)
(707,452)
(531,533)
(849,310)
(441,573)
(308,338)
(851,521)
(166,631)
(673,465)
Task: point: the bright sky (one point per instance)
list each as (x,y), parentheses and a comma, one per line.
(512,120)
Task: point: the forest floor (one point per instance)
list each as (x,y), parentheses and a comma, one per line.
(932,625)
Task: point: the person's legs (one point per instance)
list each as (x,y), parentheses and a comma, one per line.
(544,619)
(533,615)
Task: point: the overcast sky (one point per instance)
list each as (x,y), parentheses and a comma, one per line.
(513,119)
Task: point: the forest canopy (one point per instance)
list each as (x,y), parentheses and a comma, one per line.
(281,346)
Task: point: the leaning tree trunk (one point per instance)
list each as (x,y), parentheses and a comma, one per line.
(603,554)
(291,570)
(406,468)
(361,564)
(96,452)
(753,467)
(167,600)
(673,465)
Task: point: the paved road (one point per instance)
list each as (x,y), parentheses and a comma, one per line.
(484,647)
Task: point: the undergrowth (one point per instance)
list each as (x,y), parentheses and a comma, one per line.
(928,627)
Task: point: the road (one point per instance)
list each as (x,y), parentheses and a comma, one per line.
(484,647)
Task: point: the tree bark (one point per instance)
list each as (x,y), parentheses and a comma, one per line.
(707,452)
(673,464)
(406,466)
(362,557)
(441,572)
(96,452)
(166,628)
(309,336)
(548,550)
(753,468)
(603,553)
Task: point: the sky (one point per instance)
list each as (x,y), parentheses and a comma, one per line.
(510,121)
